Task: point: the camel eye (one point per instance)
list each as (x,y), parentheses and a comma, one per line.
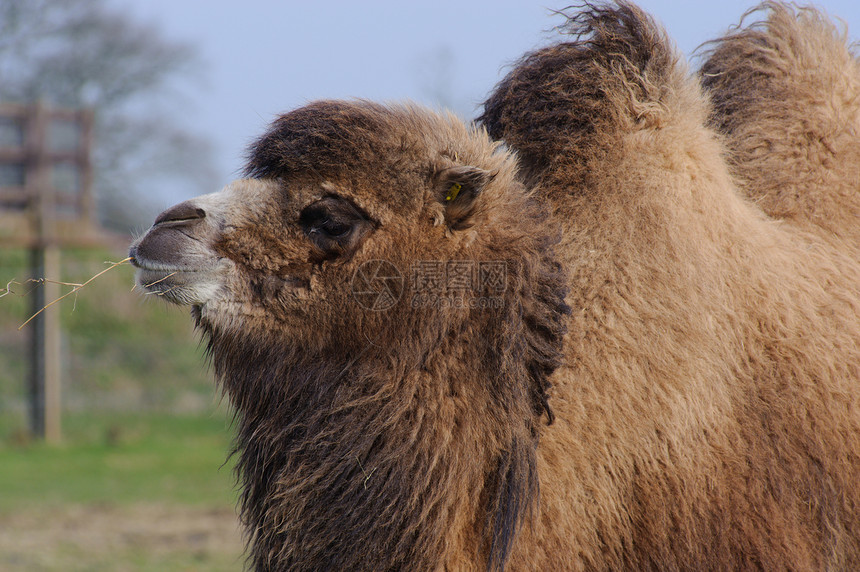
(333,228)
(318,221)
(334,225)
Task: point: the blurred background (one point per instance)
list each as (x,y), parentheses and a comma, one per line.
(135,473)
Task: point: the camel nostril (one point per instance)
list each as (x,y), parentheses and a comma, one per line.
(183,212)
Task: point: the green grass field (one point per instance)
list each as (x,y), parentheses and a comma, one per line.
(123,492)
(122,460)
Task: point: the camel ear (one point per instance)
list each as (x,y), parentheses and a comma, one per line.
(458,189)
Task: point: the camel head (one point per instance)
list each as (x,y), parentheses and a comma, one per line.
(381,299)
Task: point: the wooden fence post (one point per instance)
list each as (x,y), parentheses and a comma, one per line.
(45,340)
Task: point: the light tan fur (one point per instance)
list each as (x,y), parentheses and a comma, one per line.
(786,93)
(707,410)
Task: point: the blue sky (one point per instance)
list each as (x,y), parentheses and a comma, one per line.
(262,58)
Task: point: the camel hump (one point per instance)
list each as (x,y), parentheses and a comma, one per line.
(615,72)
(785,89)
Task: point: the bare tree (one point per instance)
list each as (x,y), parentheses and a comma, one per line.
(83,53)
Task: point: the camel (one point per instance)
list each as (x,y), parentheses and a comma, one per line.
(563,338)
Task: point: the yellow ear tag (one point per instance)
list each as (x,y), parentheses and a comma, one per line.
(453,191)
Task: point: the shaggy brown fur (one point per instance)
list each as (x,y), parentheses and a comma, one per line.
(704,397)
(786,93)
(707,411)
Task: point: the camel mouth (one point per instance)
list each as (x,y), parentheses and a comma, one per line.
(182,285)
(195,286)
(155,279)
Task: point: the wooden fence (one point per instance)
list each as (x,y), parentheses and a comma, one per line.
(46,203)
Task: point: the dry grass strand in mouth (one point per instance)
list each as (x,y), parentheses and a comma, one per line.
(74,290)
(162,279)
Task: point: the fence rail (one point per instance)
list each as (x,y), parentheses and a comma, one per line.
(46,176)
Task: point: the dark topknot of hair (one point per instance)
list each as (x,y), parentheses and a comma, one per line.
(320,137)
